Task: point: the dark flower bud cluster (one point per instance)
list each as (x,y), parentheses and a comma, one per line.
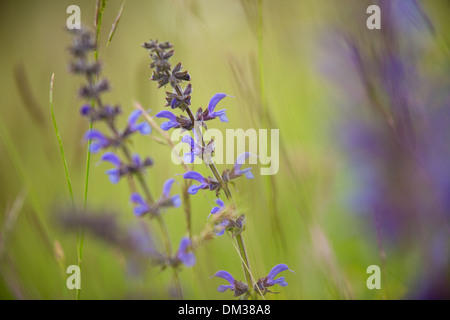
(83,43)
(82,46)
(94,90)
(175,100)
(164,74)
(81,67)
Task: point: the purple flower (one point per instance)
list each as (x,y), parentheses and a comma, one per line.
(204,153)
(121,169)
(221,206)
(143,127)
(98,140)
(219,229)
(212,105)
(236,171)
(274,272)
(240,160)
(209,113)
(141,207)
(172,123)
(115,173)
(196,149)
(187,258)
(238,287)
(166,199)
(205,183)
(270,280)
(85,110)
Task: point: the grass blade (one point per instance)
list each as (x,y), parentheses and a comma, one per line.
(61,147)
(114,26)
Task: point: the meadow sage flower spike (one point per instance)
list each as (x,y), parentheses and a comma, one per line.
(225,219)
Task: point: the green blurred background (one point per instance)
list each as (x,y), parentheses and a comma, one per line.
(298,217)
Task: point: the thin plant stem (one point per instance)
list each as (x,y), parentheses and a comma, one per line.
(61,147)
(243,252)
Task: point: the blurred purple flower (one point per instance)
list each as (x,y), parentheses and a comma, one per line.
(219,229)
(221,206)
(236,171)
(98,140)
(240,160)
(121,169)
(95,114)
(115,173)
(143,127)
(184,255)
(166,199)
(141,207)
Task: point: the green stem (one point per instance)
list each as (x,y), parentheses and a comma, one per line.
(245,264)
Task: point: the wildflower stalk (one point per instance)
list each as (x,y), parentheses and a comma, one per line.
(164,74)
(97,24)
(92,91)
